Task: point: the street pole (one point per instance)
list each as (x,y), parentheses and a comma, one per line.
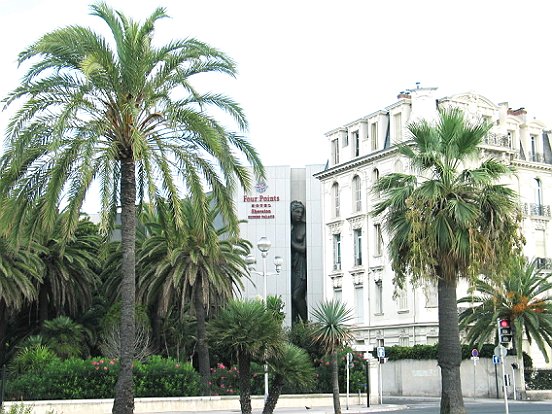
(264,254)
(381,384)
(347,398)
(367,383)
(504,386)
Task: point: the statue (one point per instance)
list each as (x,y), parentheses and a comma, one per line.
(298,262)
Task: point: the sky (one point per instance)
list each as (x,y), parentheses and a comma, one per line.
(309,66)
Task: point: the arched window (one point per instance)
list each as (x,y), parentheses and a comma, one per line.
(357,193)
(538,193)
(335,199)
(375,178)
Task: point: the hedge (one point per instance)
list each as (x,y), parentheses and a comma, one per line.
(96,378)
(538,379)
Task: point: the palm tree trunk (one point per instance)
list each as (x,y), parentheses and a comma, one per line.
(335,382)
(124,390)
(203,361)
(244,365)
(43,303)
(449,354)
(274,392)
(3,330)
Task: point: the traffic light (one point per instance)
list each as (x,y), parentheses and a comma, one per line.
(504,331)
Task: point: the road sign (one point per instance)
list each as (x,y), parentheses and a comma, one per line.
(475,352)
(500,351)
(381,352)
(496,359)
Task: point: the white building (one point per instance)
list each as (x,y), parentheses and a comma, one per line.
(266,212)
(356,265)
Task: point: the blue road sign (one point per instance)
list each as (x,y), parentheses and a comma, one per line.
(475,352)
(496,359)
(381,352)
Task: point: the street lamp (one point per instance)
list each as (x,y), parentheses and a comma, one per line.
(264,246)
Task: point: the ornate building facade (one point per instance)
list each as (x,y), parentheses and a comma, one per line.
(356,265)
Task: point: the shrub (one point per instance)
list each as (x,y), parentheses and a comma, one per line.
(357,376)
(540,379)
(96,378)
(17,409)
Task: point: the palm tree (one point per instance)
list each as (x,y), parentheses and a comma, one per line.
(71,267)
(250,331)
(522,295)
(20,271)
(293,367)
(121,111)
(445,223)
(332,333)
(199,263)
(65,337)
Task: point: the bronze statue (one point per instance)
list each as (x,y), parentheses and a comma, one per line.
(298,262)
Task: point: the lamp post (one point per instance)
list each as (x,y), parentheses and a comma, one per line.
(264,246)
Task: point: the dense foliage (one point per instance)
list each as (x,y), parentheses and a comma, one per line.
(96,378)
(540,379)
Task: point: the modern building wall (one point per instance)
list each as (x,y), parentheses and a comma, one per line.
(272,197)
(356,265)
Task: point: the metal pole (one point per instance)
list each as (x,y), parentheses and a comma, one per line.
(264,254)
(496,380)
(368,383)
(514,382)
(504,386)
(380,384)
(347,399)
(474,363)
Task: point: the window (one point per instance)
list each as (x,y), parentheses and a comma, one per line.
(402,299)
(335,151)
(431,295)
(540,243)
(533,156)
(338,295)
(378,240)
(356,144)
(379,297)
(359,304)
(538,193)
(337,252)
(374,134)
(398,127)
(335,199)
(404,341)
(345,139)
(375,178)
(357,194)
(357,240)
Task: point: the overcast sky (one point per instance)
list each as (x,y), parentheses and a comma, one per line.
(306,66)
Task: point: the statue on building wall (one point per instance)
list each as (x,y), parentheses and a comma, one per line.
(298,262)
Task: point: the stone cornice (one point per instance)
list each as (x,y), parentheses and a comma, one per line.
(355,163)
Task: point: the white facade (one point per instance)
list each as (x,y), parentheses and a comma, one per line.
(266,212)
(356,264)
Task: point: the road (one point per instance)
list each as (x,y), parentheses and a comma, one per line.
(431,406)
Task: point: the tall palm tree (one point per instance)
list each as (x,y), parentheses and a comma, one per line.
(522,295)
(332,333)
(250,331)
(198,263)
(445,222)
(124,112)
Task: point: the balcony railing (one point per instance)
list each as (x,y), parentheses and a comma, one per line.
(543,263)
(533,209)
(497,140)
(533,157)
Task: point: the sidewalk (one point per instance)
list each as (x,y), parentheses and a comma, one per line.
(353,409)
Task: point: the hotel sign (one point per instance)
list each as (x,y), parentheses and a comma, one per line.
(261,206)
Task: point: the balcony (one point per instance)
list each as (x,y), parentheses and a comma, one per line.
(497,140)
(532,209)
(543,263)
